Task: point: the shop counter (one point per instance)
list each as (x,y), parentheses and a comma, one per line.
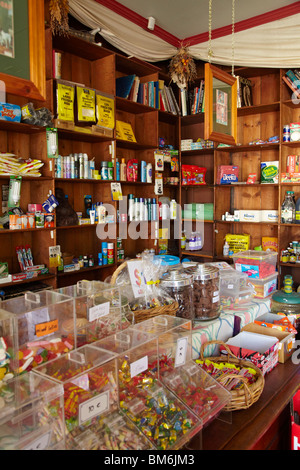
(266,425)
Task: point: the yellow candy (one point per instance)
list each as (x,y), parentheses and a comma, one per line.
(2,372)
(20,355)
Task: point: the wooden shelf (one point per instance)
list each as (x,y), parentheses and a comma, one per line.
(85,270)
(21,127)
(41,278)
(202,254)
(24,230)
(249,148)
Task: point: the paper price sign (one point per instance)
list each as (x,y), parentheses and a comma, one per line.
(41,443)
(98,311)
(93,407)
(181,349)
(137,279)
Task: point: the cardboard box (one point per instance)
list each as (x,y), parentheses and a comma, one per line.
(261,350)
(285,338)
(274,320)
(250,216)
(269,216)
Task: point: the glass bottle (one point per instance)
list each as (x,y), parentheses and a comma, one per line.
(288,209)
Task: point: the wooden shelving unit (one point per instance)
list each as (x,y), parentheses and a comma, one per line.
(98,68)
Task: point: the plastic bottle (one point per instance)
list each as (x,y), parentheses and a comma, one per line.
(110,171)
(226,249)
(136,209)
(104,252)
(123,170)
(80,158)
(297,211)
(130,207)
(173,209)
(149,173)
(143,172)
(85,166)
(154,209)
(117,170)
(288,209)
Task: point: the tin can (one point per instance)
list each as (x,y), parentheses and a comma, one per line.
(110,253)
(39,219)
(286,129)
(286,137)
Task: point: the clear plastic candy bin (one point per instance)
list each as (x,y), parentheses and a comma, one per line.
(174,336)
(39,327)
(8,363)
(257,264)
(100,310)
(31,414)
(144,399)
(116,432)
(201,393)
(89,379)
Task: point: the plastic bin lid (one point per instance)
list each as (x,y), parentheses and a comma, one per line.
(167,260)
(284,298)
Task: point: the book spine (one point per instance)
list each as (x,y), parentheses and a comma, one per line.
(293,78)
(291,85)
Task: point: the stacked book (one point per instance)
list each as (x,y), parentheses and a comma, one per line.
(292,79)
(151,93)
(192,101)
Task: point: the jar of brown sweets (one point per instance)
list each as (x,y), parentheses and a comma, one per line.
(206,296)
(179,285)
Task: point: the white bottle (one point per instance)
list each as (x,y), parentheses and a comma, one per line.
(173,209)
(226,249)
(85,166)
(149,173)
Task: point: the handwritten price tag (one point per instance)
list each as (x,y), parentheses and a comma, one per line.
(44,329)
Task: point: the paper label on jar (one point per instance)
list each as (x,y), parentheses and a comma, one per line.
(181,349)
(230,286)
(216,297)
(138,366)
(93,407)
(98,311)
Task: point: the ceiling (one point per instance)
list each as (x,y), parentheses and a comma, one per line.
(187,18)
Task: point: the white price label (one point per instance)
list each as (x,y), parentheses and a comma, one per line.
(138,366)
(93,407)
(41,443)
(98,311)
(181,349)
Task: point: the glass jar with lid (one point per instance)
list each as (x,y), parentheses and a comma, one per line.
(179,285)
(206,295)
(286,301)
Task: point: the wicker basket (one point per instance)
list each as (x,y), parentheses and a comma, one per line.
(250,393)
(141,315)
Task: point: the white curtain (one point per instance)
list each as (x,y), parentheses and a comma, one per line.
(275,44)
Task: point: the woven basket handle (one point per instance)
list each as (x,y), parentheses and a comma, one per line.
(117,272)
(204,345)
(227,377)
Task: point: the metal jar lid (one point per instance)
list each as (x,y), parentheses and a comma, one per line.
(203,272)
(177,278)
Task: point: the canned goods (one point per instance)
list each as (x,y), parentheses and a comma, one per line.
(286,129)
(286,137)
(39,219)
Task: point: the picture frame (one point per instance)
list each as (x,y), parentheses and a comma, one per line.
(33,87)
(220,115)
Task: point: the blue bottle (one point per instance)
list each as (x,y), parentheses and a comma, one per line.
(143,172)
(117,170)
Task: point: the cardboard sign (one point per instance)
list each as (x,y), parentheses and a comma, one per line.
(44,329)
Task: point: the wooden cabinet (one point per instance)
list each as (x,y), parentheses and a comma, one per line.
(98,68)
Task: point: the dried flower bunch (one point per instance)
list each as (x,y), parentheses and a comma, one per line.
(182,67)
(59,10)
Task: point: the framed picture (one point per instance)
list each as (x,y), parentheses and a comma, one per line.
(22,48)
(220,118)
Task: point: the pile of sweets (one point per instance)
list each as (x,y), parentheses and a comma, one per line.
(196,396)
(5,361)
(38,352)
(114,433)
(159,415)
(219,369)
(12,165)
